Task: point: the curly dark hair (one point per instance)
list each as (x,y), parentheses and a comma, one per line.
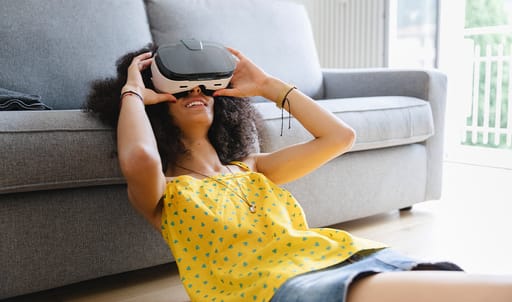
(234,133)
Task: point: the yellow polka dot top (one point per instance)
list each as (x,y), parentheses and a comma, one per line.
(226,253)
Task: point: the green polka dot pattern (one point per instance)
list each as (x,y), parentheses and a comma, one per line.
(226,253)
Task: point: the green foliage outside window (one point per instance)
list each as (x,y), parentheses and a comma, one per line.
(484,13)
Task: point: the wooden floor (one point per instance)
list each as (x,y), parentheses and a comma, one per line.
(471,225)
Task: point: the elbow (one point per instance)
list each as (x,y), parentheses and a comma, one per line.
(138,159)
(351,138)
(345,139)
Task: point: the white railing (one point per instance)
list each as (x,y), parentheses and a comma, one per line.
(489,123)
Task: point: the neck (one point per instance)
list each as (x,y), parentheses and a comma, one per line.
(201,157)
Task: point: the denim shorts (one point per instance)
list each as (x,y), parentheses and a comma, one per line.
(331,284)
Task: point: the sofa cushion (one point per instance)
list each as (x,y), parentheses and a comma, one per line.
(255,27)
(55,48)
(379,122)
(55,149)
(69,148)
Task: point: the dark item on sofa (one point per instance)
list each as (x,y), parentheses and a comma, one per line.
(13,100)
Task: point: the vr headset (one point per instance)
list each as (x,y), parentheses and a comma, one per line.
(181,66)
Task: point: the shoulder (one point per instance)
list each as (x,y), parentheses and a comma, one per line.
(251,161)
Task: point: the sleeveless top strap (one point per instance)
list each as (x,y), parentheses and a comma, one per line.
(241,165)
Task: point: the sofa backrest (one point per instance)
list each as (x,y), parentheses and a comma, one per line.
(55,48)
(276,35)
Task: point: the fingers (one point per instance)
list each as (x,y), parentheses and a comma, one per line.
(135,80)
(145,64)
(151,97)
(143,56)
(138,64)
(166,97)
(142,61)
(236,53)
(146,60)
(228,92)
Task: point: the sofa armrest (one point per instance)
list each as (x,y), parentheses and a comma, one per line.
(428,85)
(345,83)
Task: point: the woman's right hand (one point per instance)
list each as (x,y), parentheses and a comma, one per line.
(135,83)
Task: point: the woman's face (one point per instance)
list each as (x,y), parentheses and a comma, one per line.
(192,110)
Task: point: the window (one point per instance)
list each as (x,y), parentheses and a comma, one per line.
(413,33)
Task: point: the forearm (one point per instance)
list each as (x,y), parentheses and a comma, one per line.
(136,143)
(317,120)
(332,137)
(135,136)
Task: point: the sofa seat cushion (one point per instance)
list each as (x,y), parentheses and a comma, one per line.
(55,149)
(69,148)
(379,122)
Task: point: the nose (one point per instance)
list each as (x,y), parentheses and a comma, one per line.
(195,90)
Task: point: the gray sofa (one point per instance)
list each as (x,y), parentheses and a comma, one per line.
(64,213)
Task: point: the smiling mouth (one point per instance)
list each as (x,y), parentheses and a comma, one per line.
(194,104)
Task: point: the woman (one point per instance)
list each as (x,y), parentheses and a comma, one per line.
(235,234)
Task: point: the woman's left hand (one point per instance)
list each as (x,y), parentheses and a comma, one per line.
(332,137)
(248,80)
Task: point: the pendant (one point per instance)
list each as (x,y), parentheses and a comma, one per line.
(252,208)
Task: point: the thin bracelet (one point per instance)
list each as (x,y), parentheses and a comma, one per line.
(281,100)
(284,100)
(132,93)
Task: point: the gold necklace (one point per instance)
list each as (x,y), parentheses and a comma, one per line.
(251,205)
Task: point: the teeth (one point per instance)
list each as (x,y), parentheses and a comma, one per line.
(195,103)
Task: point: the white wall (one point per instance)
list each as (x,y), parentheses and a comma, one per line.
(349,33)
